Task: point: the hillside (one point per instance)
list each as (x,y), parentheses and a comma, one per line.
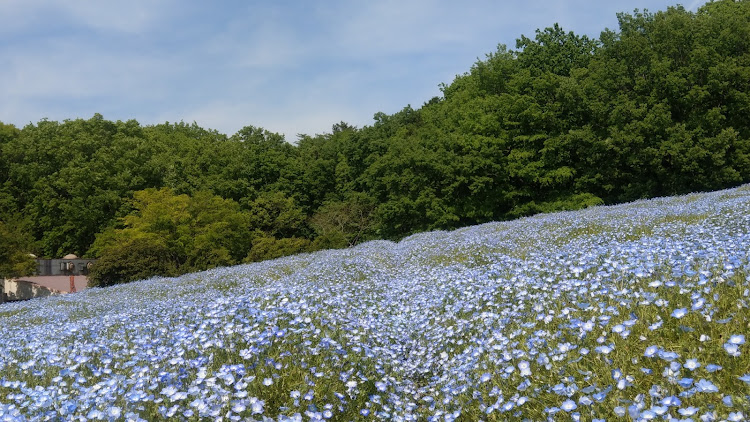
(638,309)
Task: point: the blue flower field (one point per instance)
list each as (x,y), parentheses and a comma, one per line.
(630,312)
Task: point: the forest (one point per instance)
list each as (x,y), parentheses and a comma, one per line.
(660,106)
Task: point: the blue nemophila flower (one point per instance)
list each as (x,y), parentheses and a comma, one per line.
(737,339)
(648,415)
(256,405)
(679,313)
(601,395)
(692,364)
(524,368)
(732,349)
(671,401)
(706,386)
(724,320)
(685,382)
(568,405)
(668,355)
(651,351)
(660,410)
(735,417)
(698,303)
(605,349)
(745,378)
(712,367)
(655,326)
(95,414)
(114,412)
(688,411)
(624,383)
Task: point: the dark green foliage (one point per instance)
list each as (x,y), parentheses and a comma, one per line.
(555,51)
(276,215)
(661,106)
(15,259)
(134,259)
(345,223)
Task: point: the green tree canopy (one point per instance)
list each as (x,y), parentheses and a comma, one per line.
(193,232)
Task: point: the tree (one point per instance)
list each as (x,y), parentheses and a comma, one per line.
(15,259)
(278,225)
(134,259)
(266,247)
(277,215)
(345,223)
(555,51)
(190,233)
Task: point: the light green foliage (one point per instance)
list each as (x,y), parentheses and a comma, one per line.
(265,247)
(191,232)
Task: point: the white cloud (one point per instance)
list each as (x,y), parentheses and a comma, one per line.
(248,39)
(133,16)
(65,70)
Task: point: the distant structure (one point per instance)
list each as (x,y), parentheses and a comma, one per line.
(14,289)
(53,276)
(68,265)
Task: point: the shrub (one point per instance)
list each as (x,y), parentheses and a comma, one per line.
(269,247)
(136,259)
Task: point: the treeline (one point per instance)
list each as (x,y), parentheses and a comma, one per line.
(659,107)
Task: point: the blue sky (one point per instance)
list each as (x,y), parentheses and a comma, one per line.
(289,66)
